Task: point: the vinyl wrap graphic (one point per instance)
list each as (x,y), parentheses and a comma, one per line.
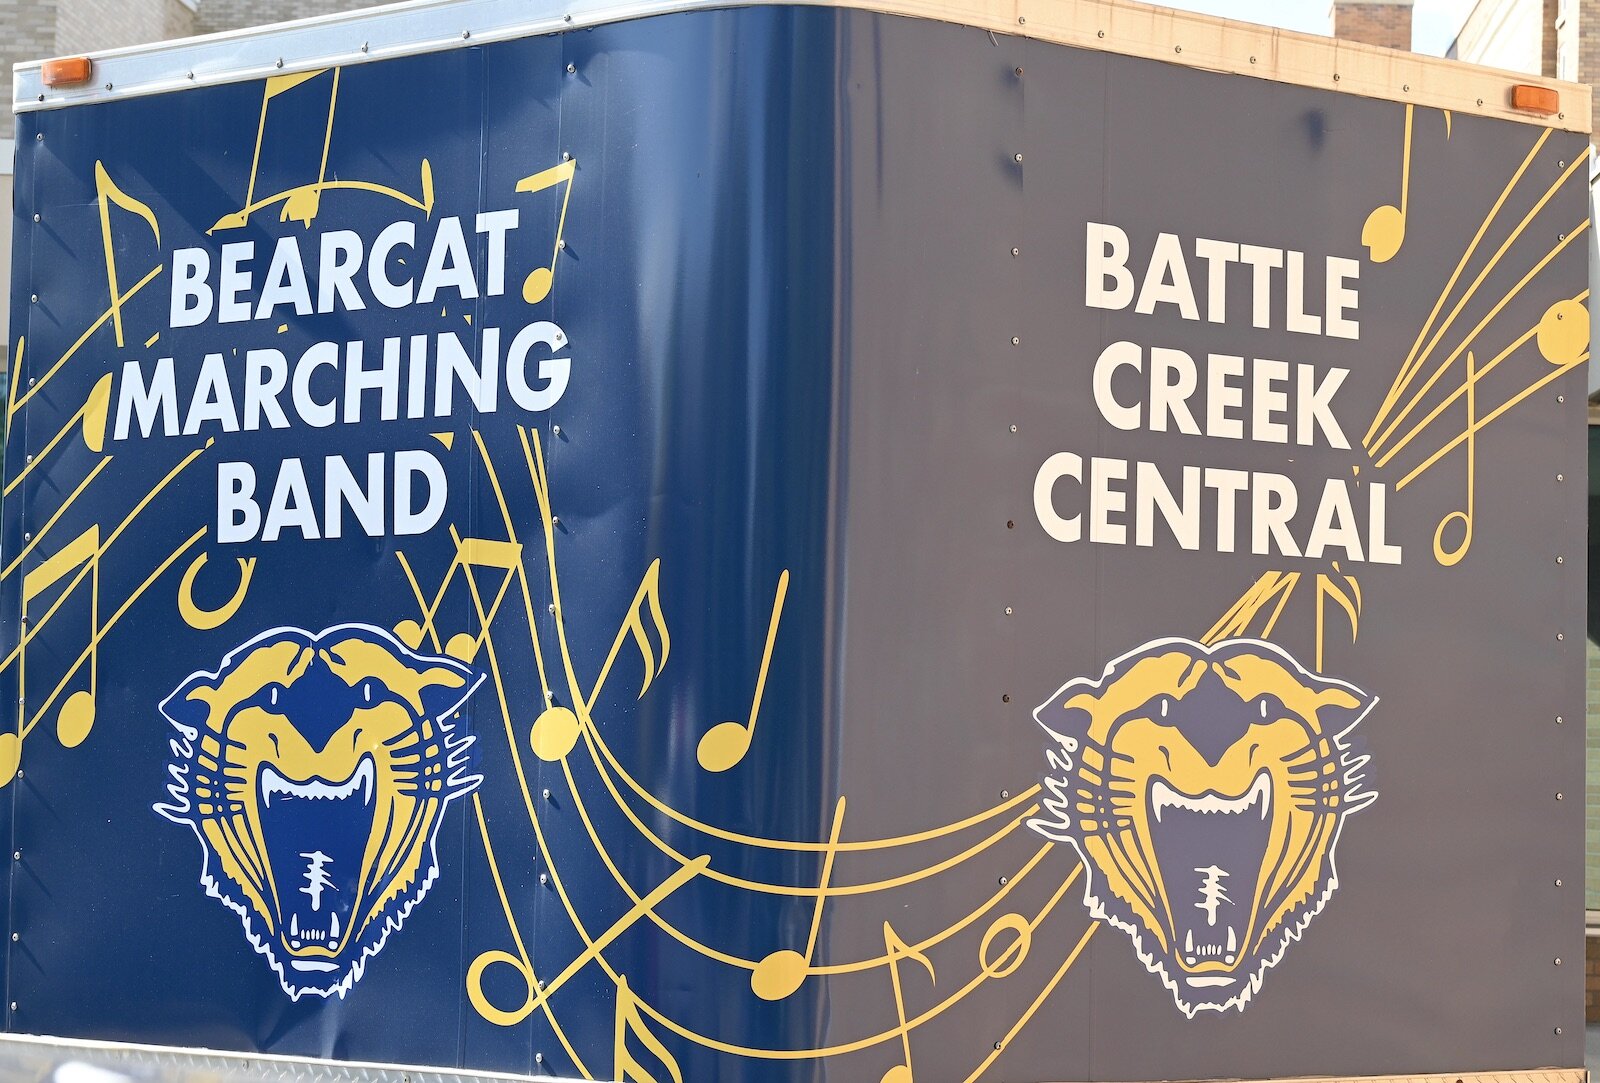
(797,545)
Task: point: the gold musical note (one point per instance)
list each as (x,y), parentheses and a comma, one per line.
(302,203)
(106,192)
(1448,556)
(897,949)
(1385,228)
(90,421)
(725,744)
(536,287)
(206,619)
(76,717)
(536,994)
(1563,332)
(647,597)
(625,1067)
(782,972)
(1015,952)
(1350,603)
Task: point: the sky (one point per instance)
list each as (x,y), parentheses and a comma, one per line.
(1434,22)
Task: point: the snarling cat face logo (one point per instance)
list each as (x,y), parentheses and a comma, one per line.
(1205,788)
(315,770)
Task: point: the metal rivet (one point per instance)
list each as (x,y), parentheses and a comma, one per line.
(1561,637)
(14,1007)
(1015,341)
(27,537)
(566,156)
(1561,398)
(39,137)
(36,298)
(1558,960)
(1558,883)
(1561,797)
(1011,524)
(1013,428)
(16,855)
(544,879)
(364,46)
(1561,477)
(1022,20)
(1252,60)
(1480,101)
(1562,163)
(1017,157)
(555,430)
(41,97)
(547,795)
(1004,880)
(1018,72)
(1016,251)
(1406,89)
(280,62)
(190,74)
(15,937)
(1009,611)
(1561,236)
(1561,116)
(555,520)
(1336,77)
(538,1058)
(1176,49)
(999,1045)
(1005,697)
(1561,560)
(1559,720)
(1005,795)
(566,18)
(1100,34)
(108,86)
(552,608)
(30,458)
(36,216)
(465,34)
(572,69)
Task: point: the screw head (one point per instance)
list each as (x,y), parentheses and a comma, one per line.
(1406,89)
(189,74)
(1017,157)
(465,34)
(1559,720)
(552,608)
(1022,21)
(546,795)
(1177,48)
(1005,795)
(14,1008)
(1016,251)
(566,18)
(1018,72)
(1480,101)
(35,298)
(1558,959)
(1100,34)
(1005,697)
(1015,341)
(1561,398)
(16,855)
(1561,560)
(1561,477)
(15,937)
(1562,163)
(1336,77)
(1561,797)
(538,1058)
(1558,883)
(1013,428)
(999,1045)
(39,137)
(544,878)
(1009,611)
(13,1005)
(1004,880)
(365,46)
(1561,637)
(572,69)
(35,216)
(555,430)
(280,62)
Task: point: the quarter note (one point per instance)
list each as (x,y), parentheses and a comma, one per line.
(1385,228)
(782,972)
(725,744)
(536,287)
(90,421)
(898,949)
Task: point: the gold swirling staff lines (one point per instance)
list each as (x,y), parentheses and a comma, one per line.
(80,559)
(1566,239)
(587,728)
(535,463)
(485,639)
(991,969)
(1418,356)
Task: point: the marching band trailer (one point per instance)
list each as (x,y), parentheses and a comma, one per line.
(904,540)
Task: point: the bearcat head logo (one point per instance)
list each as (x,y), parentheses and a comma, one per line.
(315,771)
(1205,789)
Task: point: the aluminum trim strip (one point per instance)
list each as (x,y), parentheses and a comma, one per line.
(1116,26)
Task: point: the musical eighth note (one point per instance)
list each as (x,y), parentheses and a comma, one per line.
(724,745)
(1447,556)
(1385,228)
(626,1068)
(106,191)
(536,287)
(782,972)
(898,949)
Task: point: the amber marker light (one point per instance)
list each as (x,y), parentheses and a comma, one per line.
(67,70)
(1535,99)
